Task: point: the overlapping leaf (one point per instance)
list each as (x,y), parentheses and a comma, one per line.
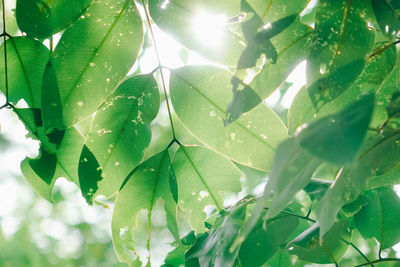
(339,46)
(120,131)
(201,94)
(89,60)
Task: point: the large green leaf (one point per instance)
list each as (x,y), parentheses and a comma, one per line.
(120,131)
(201,94)
(339,46)
(374,77)
(89,60)
(202,177)
(203,26)
(378,155)
(26,61)
(338,137)
(146,184)
(380,217)
(40,19)
(334,244)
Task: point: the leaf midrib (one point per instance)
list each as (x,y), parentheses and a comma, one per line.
(67,97)
(221,110)
(201,178)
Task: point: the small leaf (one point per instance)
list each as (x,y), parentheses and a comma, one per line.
(337,138)
(89,174)
(44,165)
(40,19)
(380,217)
(81,75)
(200,94)
(202,177)
(144,186)
(334,244)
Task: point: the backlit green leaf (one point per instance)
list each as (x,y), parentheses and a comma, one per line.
(200,95)
(80,75)
(120,131)
(146,184)
(203,176)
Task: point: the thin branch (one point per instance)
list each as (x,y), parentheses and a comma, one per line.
(5,35)
(379,260)
(145,7)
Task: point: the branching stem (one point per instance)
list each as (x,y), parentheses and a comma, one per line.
(145,7)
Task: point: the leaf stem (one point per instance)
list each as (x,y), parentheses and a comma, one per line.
(160,67)
(5,35)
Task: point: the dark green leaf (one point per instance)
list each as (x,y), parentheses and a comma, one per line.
(334,244)
(40,18)
(387,16)
(89,173)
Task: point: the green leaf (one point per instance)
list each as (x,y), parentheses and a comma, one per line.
(40,19)
(44,165)
(292,171)
(120,131)
(339,46)
(351,180)
(387,16)
(337,138)
(210,28)
(334,244)
(200,94)
(379,65)
(202,177)
(261,244)
(144,186)
(89,173)
(26,61)
(32,119)
(380,217)
(81,75)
